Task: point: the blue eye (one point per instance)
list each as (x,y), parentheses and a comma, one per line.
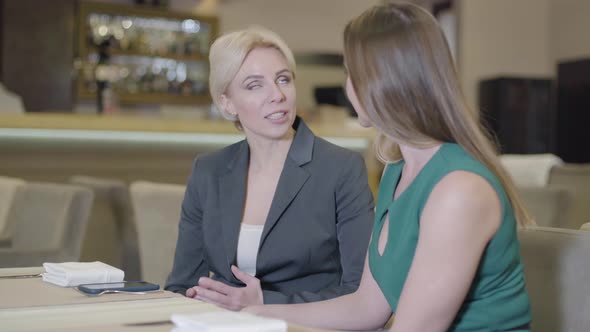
(284,79)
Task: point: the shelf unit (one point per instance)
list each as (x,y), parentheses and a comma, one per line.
(155,55)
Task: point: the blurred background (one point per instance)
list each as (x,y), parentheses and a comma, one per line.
(523,63)
(104,105)
(117,90)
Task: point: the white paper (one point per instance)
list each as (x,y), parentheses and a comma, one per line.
(226,321)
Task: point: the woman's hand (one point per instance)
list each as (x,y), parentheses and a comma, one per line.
(228,297)
(254,310)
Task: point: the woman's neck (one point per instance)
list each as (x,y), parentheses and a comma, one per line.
(416,158)
(269,153)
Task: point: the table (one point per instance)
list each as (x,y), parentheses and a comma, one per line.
(29,305)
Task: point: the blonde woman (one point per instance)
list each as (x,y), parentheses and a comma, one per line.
(282,216)
(444,253)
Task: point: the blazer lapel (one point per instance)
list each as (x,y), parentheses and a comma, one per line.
(293,176)
(290,183)
(232,191)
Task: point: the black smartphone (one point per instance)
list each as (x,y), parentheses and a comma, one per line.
(126,286)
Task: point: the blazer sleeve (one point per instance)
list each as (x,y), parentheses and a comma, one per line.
(189,262)
(354,223)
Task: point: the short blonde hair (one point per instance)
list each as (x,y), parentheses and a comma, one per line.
(229,51)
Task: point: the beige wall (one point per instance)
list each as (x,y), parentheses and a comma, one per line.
(569,30)
(310,76)
(502,37)
(308,26)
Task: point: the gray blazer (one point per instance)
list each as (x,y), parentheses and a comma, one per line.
(315,238)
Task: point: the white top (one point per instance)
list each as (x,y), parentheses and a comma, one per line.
(248,243)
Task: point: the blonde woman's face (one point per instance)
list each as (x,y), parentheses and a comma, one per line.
(363,119)
(263,94)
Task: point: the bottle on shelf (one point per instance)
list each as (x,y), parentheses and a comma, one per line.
(149,57)
(106,100)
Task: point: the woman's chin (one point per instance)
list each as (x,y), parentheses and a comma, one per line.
(277,133)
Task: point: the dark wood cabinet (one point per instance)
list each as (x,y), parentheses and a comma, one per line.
(573,111)
(1,34)
(520,112)
(38,52)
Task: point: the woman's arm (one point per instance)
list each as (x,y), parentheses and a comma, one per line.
(365,309)
(461,215)
(189,263)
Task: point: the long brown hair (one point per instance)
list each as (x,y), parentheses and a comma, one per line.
(402,71)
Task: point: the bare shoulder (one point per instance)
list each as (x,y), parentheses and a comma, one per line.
(463,198)
(467,186)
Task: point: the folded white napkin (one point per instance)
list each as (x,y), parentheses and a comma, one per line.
(226,321)
(74,273)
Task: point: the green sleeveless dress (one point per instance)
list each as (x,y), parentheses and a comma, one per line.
(497,299)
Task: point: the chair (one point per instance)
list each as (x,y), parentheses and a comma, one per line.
(49,224)
(547,205)
(111,236)
(530,170)
(557,267)
(10,188)
(10,102)
(157,213)
(575,177)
